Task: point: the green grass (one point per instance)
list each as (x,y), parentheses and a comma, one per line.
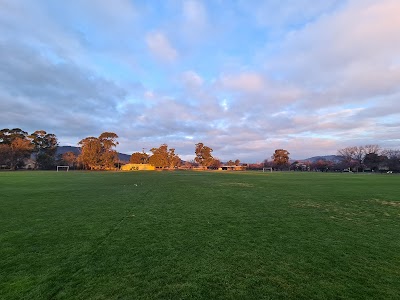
(199,235)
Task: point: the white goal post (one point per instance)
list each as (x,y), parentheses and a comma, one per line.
(66,168)
(267,169)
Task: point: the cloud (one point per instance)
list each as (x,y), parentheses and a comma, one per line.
(351,54)
(36,91)
(278,16)
(244,78)
(243,82)
(192,80)
(195,14)
(160,47)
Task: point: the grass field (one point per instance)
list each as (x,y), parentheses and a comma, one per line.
(199,235)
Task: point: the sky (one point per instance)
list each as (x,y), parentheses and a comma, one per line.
(243,77)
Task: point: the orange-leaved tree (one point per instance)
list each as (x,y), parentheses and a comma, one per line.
(99,153)
(203,155)
(164,158)
(281,158)
(139,158)
(15,146)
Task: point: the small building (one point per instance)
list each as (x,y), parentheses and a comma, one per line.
(138,167)
(232,168)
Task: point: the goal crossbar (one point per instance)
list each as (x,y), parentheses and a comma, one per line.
(63,167)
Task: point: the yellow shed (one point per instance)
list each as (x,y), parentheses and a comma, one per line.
(137,167)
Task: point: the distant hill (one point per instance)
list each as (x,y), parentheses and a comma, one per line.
(76,150)
(64,149)
(333,158)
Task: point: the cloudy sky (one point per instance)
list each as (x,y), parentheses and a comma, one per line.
(244,77)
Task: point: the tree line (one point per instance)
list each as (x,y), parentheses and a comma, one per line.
(370,158)
(166,158)
(96,153)
(99,153)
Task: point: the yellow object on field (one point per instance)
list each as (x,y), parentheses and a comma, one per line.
(137,167)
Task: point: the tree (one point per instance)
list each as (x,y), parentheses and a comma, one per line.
(45,146)
(69,158)
(99,153)
(139,158)
(14,147)
(372,161)
(109,156)
(173,159)
(108,159)
(347,154)
(203,155)
(392,159)
(322,165)
(5,155)
(233,163)
(281,158)
(8,135)
(216,163)
(20,150)
(108,140)
(354,156)
(159,159)
(163,157)
(90,156)
(376,149)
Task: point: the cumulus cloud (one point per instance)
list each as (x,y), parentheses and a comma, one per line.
(351,54)
(37,91)
(160,47)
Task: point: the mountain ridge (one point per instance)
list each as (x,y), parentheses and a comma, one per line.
(333,158)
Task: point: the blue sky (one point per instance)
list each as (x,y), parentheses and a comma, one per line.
(243,77)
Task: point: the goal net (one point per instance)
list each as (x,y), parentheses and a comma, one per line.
(267,169)
(62,168)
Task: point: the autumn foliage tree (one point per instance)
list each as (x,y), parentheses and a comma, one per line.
(280,158)
(20,149)
(233,163)
(164,158)
(15,146)
(203,155)
(216,163)
(90,156)
(99,153)
(109,156)
(173,159)
(230,163)
(69,158)
(139,158)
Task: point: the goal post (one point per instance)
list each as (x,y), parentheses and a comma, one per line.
(60,168)
(267,169)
